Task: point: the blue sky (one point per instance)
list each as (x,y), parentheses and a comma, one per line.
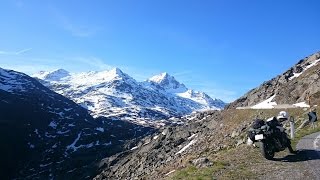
(224,48)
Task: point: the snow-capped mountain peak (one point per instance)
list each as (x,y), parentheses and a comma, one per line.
(201,98)
(159,78)
(117,71)
(114,94)
(55,75)
(168,82)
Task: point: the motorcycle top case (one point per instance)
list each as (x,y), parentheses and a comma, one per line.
(273,123)
(258,123)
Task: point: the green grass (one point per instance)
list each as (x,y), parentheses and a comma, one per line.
(241,172)
(304,132)
(194,173)
(240,167)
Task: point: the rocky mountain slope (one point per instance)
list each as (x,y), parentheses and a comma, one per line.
(116,95)
(293,86)
(47,136)
(211,144)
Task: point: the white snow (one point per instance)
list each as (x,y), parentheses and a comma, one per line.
(191,137)
(75,148)
(45,165)
(53,124)
(71,125)
(267,104)
(72,170)
(72,146)
(5,101)
(31,146)
(170,172)
(158,78)
(6,87)
(186,147)
(302,105)
(60,114)
(100,129)
(63,132)
(37,133)
(55,75)
(67,109)
(108,144)
(194,95)
(306,68)
(10,81)
(100,93)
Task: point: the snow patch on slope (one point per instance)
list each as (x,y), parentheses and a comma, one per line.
(186,147)
(295,75)
(11,81)
(302,105)
(267,104)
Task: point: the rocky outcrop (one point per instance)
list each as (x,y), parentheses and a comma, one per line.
(174,147)
(293,86)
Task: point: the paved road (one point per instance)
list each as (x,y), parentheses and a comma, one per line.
(305,165)
(309,146)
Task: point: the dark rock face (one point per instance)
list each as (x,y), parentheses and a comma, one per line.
(44,135)
(159,154)
(288,88)
(158,150)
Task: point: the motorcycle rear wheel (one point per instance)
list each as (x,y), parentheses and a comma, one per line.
(266,151)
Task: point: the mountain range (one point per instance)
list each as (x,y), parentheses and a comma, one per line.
(47,136)
(116,95)
(83,126)
(211,144)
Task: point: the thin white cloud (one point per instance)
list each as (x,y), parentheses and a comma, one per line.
(28,69)
(93,62)
(75,29)
(15,52)
(23,51)
(72,64)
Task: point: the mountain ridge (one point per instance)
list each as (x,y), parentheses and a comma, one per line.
(114,94)
(291,87)
(196,148)
(46,135)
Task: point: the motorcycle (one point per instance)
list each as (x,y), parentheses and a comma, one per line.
(271,138)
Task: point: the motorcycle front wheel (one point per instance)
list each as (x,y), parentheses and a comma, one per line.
(266,151)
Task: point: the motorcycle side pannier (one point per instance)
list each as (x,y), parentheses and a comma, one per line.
(255,127)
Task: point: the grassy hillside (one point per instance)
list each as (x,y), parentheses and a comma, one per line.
(242,161)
